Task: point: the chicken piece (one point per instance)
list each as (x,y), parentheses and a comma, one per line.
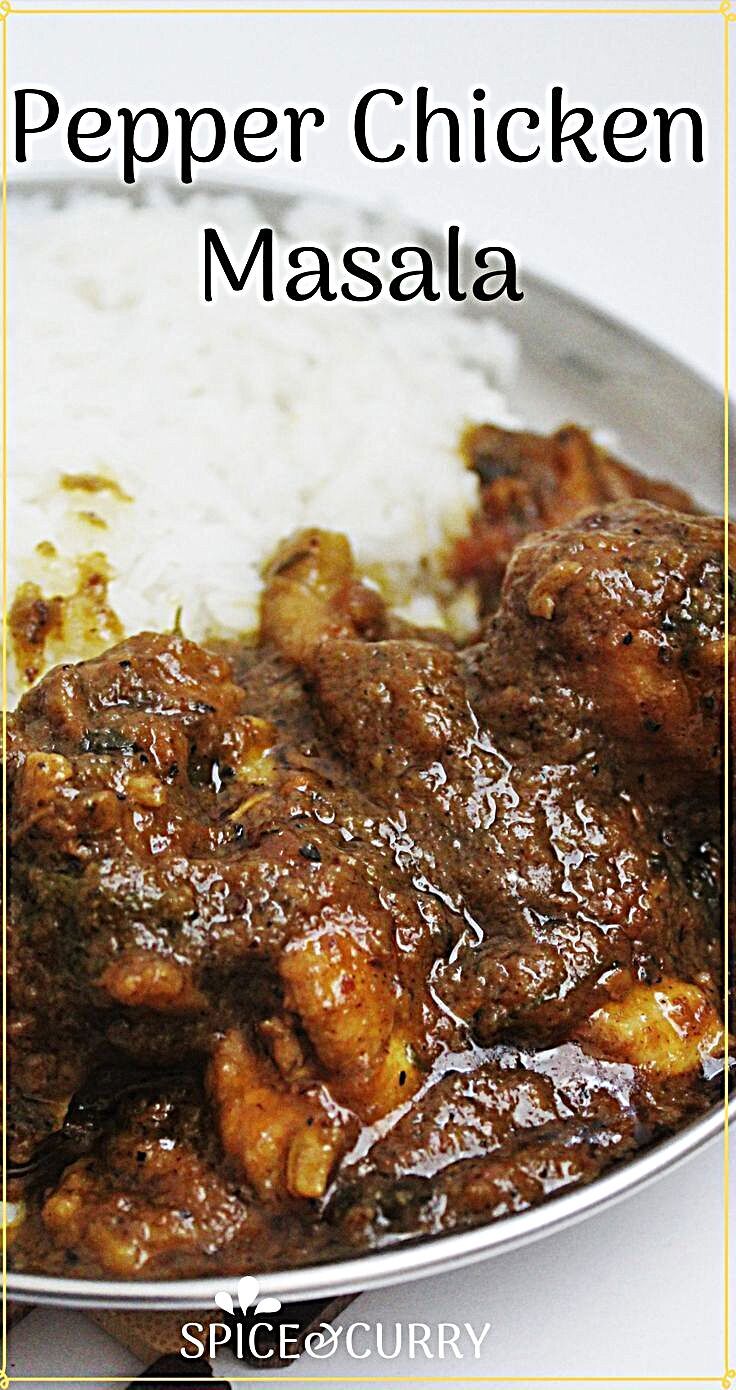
(484,1140)
(606,659)
(285,1128)
(626,608)
(99,764)
(343,988)
(537,854)
(166,1207)
(287,1142)
(560,880)
(393,706)
(530,482)
(157,675)
(199,865)
(670,1028)
(396,1079)
(577,887)
(312,591)
(144,1234)
(338,982)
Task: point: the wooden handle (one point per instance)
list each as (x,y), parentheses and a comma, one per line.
(148,1335)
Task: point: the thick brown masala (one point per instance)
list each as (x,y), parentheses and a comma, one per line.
(353,934)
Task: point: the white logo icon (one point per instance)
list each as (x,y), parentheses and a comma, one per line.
(247,1299)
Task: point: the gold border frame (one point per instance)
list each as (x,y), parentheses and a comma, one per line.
(727,13)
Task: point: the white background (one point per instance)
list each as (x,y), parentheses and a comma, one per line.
(638,1290)
(643,240)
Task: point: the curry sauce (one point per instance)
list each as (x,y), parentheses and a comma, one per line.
(351,933)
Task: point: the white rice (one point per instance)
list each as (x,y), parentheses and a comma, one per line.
(228,425)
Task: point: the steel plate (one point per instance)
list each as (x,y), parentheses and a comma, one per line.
(576,364)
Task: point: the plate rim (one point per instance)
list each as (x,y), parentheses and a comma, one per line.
(415,1260)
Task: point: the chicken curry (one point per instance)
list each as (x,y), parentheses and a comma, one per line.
(351,933)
